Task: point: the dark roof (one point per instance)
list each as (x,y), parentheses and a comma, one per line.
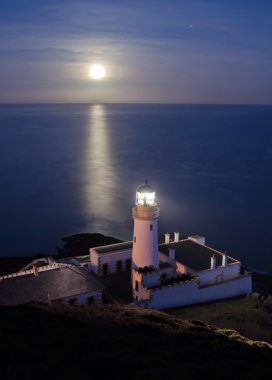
(145,188)
(194,255)
(59,283)
(114,247)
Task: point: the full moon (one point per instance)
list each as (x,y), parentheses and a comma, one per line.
(97,72)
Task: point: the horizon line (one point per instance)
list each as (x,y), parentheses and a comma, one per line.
(138,103)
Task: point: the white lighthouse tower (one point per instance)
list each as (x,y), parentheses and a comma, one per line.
(145,238)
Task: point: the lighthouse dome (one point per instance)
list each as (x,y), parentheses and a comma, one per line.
(145,195)
(145,188)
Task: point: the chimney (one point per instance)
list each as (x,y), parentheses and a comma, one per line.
(213,262)
(171,254)
(224,259)
(35,270)
(167,238)
(176,237)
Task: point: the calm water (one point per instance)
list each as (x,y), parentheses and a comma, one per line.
(67,169)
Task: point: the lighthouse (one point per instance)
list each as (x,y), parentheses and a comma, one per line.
(145,237)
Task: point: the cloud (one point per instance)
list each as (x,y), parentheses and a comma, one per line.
(153,45)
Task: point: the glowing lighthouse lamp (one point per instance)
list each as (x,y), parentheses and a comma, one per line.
(144,197)
(145,238)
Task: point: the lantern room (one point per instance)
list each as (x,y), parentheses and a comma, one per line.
(145,195)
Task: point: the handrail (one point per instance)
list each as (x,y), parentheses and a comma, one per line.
(33,271)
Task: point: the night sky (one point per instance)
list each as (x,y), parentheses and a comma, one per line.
(171,51)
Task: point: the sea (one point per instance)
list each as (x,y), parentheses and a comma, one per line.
(74,168)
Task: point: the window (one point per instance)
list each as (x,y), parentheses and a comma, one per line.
(105,269)
(151,227)
(136,286)
(119,266)
(90,300)
(128,264)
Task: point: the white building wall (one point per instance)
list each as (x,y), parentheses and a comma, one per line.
(188,293)
(164,258)
(183,269)
(94,260)
(168,258)
(140,292)
(111,259)
(219,274)
(168,272)
(152,279)
(84,298)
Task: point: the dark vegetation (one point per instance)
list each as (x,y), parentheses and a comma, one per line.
(122,342)
(146,269)
(79,245)
(176,280)
(262,284)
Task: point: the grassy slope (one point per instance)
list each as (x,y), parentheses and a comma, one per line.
(122,342)
(250,315)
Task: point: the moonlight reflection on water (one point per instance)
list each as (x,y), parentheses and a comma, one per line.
(68,169)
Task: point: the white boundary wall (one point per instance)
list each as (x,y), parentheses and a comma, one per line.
(189,293)
(219,274)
